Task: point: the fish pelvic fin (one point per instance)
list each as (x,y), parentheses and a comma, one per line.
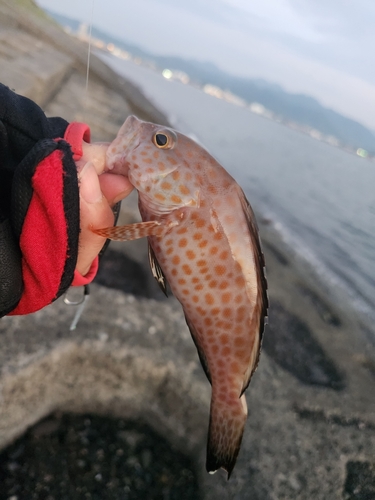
(131,231)
(227,423)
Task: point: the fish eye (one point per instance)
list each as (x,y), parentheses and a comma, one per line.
(163,140)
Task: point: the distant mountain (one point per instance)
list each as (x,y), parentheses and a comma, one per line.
(299,108)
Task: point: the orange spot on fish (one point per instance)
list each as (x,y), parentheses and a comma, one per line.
(203,244)
(204,270)
(195,280)
(201,263)
(200,223)
(148,189)
(225,351)
(215,311)
(198,287)
(220,270)
(148,160)
(241,354)
(187,269)
(209,299)
(169,251)
(213,250)
(215,349)
(226,297)
(212,284)
(161,165)
(237,330)
(176,175)
(166,186)
(181,281)
(240,314)
(160,197)
(240,281)
(174,272)
(185,291)
(229,219)
(224,339)
(183,189)
(169,242)
(190,254)
(176,260)
(223,285)
(181,230)
(195,298)
(188,176)
(197,236)
(172,161)
(224,255)
(239,342)
(156,155)
(176,199)
(227,312)
(208,321)
(212,189)
(235,367)
(218,236)
(183,242)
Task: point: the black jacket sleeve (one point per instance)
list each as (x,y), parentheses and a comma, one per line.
(39,206)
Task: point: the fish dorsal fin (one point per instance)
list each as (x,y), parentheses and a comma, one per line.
(262,300)
(201,354)
(157,271)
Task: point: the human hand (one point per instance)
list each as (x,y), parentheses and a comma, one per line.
(98,193)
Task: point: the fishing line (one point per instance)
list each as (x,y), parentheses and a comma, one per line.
(89,49)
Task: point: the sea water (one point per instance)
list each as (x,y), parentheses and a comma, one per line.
(320,198)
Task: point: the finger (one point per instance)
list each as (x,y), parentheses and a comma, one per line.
(115,187)
(94,212)
(94,153)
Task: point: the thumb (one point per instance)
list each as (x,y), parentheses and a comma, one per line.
(94,212)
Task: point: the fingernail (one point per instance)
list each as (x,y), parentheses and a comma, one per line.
(122,195)
(89,186)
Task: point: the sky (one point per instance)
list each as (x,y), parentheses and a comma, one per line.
(321,48)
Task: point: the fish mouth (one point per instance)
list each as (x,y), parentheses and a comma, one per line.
(129,132)
(129,137)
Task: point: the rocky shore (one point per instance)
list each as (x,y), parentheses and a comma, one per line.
(118,408)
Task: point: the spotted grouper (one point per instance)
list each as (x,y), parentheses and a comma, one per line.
(203,240)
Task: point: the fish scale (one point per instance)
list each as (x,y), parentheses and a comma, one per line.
(204,241)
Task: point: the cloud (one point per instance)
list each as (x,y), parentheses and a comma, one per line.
(318,47)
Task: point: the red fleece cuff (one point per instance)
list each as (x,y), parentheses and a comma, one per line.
(75,133)
(44,230)
(80,280)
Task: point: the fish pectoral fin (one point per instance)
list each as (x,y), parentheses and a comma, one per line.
(157,271)
(201,354)
(131,231)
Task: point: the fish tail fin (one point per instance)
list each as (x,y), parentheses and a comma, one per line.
(227,423)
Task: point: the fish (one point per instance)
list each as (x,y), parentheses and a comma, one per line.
(204,241)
